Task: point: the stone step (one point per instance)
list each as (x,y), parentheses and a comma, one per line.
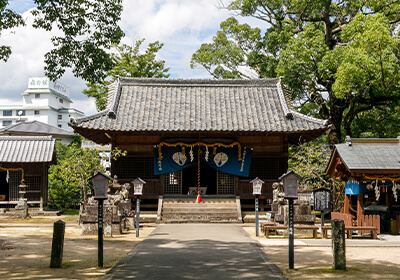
(199,214)
(232,207)
(202,202)
(187,210)
(199,210)
(180,221)
(199,205)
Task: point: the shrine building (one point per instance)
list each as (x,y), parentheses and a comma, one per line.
(177,132)
(370,169)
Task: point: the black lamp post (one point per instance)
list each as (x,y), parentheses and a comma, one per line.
(100,187)
(291,186)
(138,191)
(257,186)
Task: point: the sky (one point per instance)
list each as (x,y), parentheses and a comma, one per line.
(182,25)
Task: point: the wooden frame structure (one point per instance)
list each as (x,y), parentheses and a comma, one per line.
(373,166)
(142,113)
(28,158)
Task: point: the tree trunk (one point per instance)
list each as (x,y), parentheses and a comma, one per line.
(335,133)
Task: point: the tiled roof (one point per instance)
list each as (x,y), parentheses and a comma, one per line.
(26,149)
(180,105)
(374,154)
(35,127)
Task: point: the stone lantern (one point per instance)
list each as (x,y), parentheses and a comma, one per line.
(100,185)
(290,184)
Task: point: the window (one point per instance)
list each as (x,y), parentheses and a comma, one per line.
(266,168)
(5,123)
(60,117)
(173,183)
(21,112)
(7,113)
(132,167)
(61,101)
(37,95)
(37,112)
(60,126)
(20,121)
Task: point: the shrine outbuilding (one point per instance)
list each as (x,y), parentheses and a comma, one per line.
(25,158)
(179,132)
(371,170)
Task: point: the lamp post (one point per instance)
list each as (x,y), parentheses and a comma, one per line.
(291,186)
(100,187)
(138,191)
(257,186)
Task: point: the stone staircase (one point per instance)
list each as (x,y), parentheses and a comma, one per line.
(210,210)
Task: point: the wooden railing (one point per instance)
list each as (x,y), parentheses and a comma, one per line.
(347,218)
(369,221)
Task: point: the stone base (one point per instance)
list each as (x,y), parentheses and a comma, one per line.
(21,209)
(302,215)
(108,230)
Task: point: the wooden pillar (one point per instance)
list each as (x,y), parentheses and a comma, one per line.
(360,204)
(346,208)
(389,200)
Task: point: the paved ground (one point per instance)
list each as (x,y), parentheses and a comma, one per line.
(196,251)
(385,240)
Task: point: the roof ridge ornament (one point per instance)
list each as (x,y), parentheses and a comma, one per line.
(348,140)
(111,114)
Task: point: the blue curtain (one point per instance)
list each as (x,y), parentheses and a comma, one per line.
(225,159)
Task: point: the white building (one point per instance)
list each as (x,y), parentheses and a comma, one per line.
(43,101)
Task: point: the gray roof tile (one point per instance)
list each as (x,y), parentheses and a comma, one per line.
(35,127)
(363,156)
(198,105)
(26,148)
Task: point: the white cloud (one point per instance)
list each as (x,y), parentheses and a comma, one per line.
(182,25)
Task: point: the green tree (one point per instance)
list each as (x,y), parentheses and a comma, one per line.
(89,28)
(128,62)
(309,160)
(8,20)
(69,179)
(320,47)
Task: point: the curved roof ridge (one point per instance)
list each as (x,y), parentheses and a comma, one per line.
(193,82)
(88,118)
(27,138)
(112,91)
(288,108)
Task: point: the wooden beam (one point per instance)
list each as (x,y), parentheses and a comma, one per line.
(360,203)
(346,207)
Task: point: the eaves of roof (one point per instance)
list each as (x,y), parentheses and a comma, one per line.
(27,149)
(143,105)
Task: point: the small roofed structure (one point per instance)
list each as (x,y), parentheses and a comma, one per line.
(25,158)
(240,129)
(37,128)
(371,170)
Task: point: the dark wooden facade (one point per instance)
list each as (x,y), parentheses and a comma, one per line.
(36,177)
(27,158)
(269,161)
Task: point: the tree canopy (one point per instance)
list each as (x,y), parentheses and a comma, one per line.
(88,27)
(129,61)
(69,180)
(340,58)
